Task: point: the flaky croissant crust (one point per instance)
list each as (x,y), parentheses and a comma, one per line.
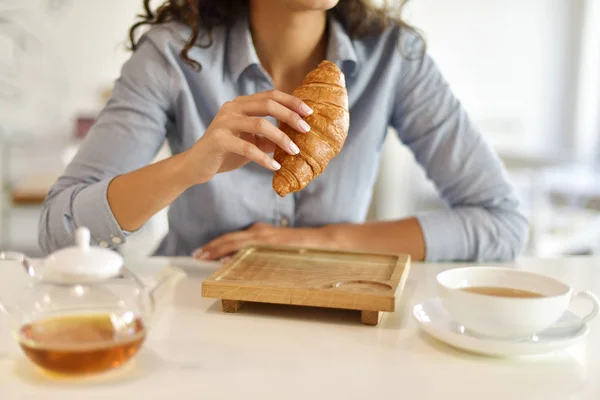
(324,90)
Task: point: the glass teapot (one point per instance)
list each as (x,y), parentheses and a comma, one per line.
(83,312)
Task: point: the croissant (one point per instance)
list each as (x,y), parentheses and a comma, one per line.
(324,90)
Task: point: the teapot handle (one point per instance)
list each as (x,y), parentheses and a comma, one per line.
(14,256)
(154,291)
(158,289)
(126,273)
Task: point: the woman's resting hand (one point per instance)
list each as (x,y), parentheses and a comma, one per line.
(263,234)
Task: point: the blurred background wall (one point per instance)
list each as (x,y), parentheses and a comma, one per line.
(527,71)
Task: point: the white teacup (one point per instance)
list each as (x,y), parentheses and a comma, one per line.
(505,303)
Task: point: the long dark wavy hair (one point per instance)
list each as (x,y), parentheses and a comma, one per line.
(360,18)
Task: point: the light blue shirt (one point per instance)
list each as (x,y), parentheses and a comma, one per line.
(158,97)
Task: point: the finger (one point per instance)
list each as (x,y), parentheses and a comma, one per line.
(207,252)
(233,242)
(249,151)
(202,255)
(261,126)
(265,145)
(291,102)
(226,246)
(228,249)
(228,237)
(268,107)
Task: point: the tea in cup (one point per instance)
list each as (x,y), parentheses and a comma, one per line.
(506,303)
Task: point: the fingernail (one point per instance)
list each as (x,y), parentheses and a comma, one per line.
(201,255)
(294,148)
(306,109)
(304,126)
(275,165)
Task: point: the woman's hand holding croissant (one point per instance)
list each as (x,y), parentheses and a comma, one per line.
(239,133)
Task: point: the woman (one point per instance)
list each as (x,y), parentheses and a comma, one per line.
(211,77)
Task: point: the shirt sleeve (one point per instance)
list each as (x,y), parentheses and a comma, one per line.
(483,221)
(126,136)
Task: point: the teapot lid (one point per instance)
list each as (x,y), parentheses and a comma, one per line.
(82,262)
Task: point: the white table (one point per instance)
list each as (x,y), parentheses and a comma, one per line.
(271,352)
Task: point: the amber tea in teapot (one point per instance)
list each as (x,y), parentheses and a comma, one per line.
(82,343)
(82,311)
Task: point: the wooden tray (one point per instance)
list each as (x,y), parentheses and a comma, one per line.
(309,277)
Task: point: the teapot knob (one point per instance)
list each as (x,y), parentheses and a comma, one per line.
(82,238)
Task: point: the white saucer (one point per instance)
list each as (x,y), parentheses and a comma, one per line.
(435,320)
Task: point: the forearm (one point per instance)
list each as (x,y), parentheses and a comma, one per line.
(404,236)
(135,197)
(474,234)
(460,234)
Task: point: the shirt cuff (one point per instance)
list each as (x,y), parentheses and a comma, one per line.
(445,236)
(91,209)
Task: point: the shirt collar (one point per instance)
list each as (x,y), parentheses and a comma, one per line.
(242,54)
(340,48)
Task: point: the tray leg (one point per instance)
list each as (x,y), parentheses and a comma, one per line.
(370,317)
(231,306)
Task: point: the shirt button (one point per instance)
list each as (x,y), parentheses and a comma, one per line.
(103,244)
(284,222)
(116,240)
